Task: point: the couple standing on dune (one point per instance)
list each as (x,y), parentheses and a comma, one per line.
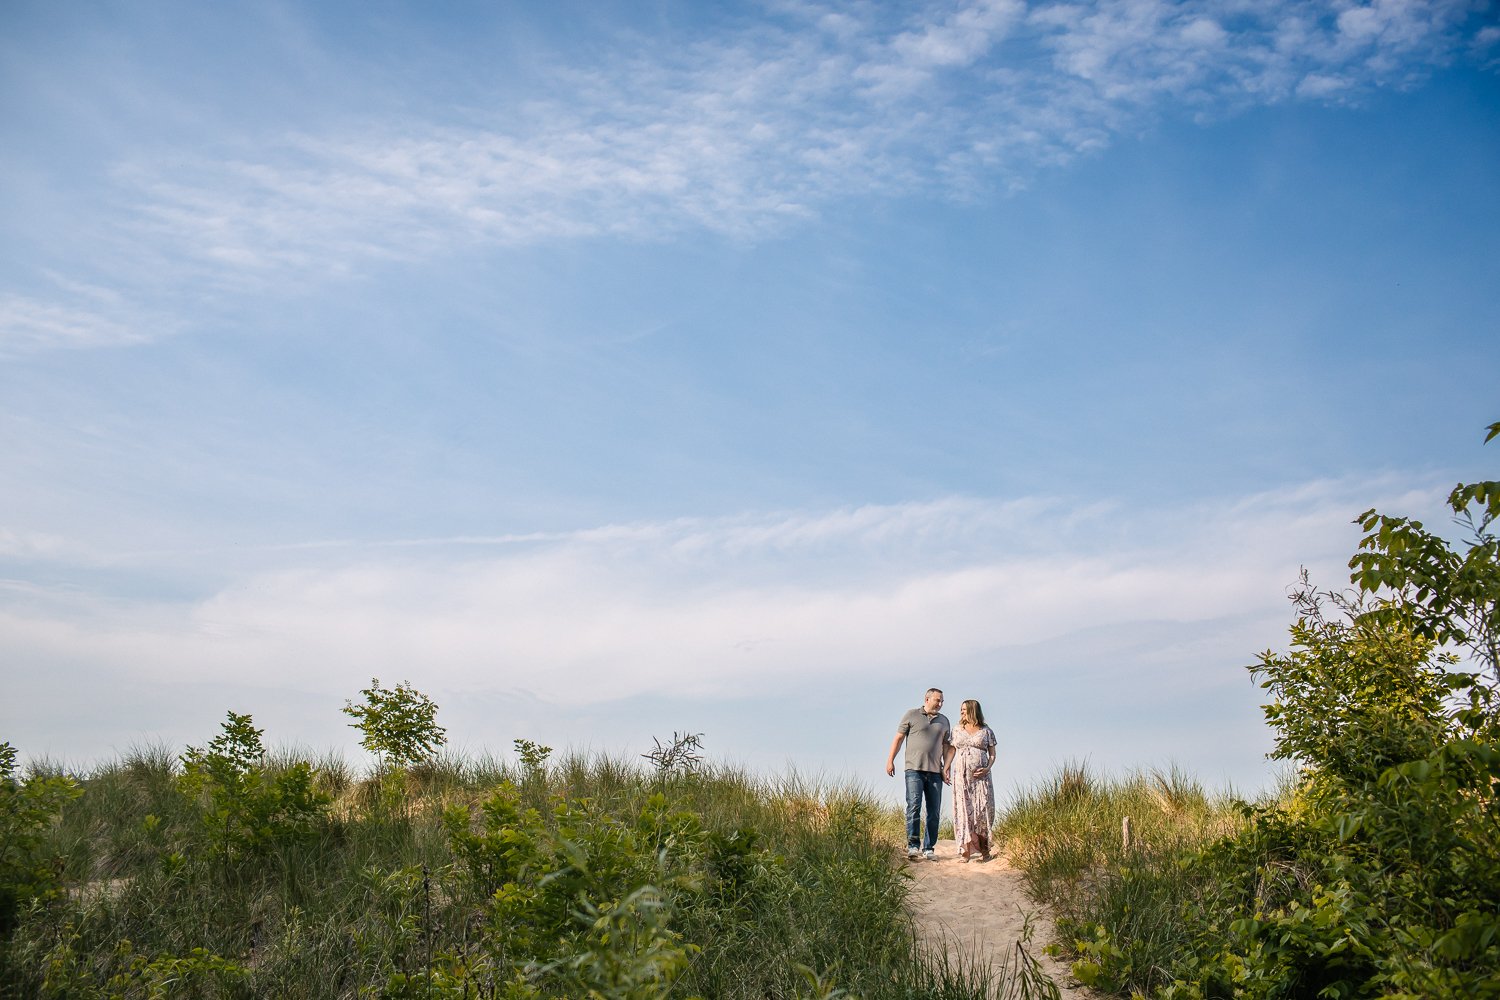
(937,753)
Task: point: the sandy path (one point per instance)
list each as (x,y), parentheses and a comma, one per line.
(994,891)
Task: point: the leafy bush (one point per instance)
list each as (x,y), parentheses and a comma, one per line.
(28,808)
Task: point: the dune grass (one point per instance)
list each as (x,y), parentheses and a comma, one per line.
(479,877)
(1066,835)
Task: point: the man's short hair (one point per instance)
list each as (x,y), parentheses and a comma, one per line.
(933,691)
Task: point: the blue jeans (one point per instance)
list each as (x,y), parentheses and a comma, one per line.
(923,786)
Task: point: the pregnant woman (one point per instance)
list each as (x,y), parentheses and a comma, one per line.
(968,770)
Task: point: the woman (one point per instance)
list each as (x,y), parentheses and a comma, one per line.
(967,769)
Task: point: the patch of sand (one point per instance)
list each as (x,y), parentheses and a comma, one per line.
(994,907)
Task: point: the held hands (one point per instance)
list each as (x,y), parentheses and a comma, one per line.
(947,777)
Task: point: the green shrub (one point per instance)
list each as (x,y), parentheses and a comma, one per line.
(578,895)
(199,973)
(28,809)
(1378,873)
(247,807)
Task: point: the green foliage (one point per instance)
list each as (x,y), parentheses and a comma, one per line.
(533,756)
(28,808)
(1358,693)
(231,757)
(1449,595)
(626,951)
(399,724)
(134,976)
(585,878)
(1378,873)
(1065,831)
(578,898)
(249,808)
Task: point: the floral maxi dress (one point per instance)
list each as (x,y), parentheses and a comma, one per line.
(973,798)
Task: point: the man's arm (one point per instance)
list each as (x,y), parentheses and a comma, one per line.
(948,753)
(890,763)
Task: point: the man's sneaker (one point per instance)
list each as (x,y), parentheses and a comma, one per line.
(930,854)
(913,853)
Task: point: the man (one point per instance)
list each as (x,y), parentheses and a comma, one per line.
(927,735)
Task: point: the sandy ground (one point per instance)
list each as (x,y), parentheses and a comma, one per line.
(995,904)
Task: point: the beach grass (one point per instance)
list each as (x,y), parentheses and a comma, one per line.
(703,881)
(1067,835)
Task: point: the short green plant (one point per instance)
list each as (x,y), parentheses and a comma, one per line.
(198,973)
(399,724)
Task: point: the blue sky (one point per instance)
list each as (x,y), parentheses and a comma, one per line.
(610,370)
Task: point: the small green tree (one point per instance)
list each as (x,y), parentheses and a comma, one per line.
(231,758)
(248,808)
(399,724)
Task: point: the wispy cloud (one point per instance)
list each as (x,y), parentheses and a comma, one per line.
(740,135)
(718,608)
(29,325)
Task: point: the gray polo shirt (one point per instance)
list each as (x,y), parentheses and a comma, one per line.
(927,736)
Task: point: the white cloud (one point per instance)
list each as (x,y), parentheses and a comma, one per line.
(1089,629)
(1317,85)
(718,608)
(1205,33)
(961,37)
(28,325)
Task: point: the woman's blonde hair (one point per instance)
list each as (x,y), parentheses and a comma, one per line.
(970,711)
